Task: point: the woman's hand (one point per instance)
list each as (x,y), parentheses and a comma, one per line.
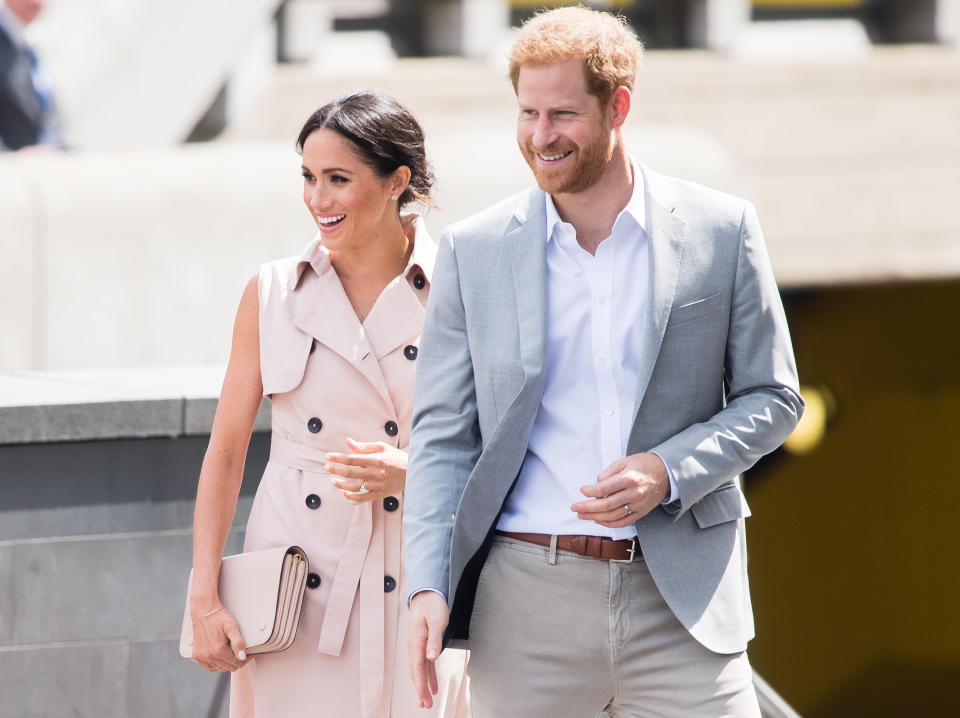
(379,468)
(217,642)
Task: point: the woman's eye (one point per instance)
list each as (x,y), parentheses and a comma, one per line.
(307,176)
(338,179)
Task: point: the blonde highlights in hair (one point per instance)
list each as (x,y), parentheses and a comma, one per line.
(609,51)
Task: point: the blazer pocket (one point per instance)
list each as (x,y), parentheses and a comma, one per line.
(694,310)
(723,504)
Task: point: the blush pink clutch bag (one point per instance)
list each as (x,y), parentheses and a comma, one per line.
(264,592)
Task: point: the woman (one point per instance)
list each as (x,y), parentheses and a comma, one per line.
(331,337)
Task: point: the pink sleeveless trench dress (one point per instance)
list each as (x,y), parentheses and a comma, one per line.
(330,377)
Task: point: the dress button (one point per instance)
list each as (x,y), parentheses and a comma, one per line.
(419,281)
(313,346)
(391,428)
(313,501)
(410,352)
(391,503)
(314,425)
(313,580)
(389,583)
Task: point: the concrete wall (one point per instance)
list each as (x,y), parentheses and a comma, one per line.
(96,503)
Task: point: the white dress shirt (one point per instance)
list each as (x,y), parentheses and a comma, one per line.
(597,307)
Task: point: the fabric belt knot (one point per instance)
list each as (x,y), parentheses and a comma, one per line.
(360,569)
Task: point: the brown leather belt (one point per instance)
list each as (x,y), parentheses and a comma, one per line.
(591,546)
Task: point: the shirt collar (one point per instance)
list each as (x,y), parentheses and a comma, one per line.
(636,208)
(422,258)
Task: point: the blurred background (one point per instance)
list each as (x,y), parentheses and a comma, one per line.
(167,174)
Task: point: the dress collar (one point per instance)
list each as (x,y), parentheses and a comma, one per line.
(422,258)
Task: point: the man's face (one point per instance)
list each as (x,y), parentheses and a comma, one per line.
(563,132)
(25,10)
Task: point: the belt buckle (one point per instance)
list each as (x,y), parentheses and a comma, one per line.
(634,545)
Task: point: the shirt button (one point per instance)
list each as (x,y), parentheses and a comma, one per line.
(391,503)
(419,281)
(601,300)
(391,428)
(313,580)
(609,412)
(601,357)
(313,501)
(314,425)
(410,352)
(389,583)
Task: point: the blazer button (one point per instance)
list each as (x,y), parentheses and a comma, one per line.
(410,352)
(391,503)
(389,583)
(314,425)
(391,428)
(313,501)
(419,281)
(313,580)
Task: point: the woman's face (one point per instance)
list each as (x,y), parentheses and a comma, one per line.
(345,197)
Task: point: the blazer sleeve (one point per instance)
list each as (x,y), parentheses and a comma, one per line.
(763,402)
(445,441)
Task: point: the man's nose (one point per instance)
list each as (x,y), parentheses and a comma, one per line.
(544,133)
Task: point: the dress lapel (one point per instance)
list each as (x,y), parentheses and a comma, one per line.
(322,310)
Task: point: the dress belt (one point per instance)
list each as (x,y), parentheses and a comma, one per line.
(360,569)
(590,546)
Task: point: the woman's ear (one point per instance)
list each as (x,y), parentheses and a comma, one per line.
(399,180)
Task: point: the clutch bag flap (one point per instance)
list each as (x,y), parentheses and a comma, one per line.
(264,591)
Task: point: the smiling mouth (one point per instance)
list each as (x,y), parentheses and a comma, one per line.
(554,157)
(330,222)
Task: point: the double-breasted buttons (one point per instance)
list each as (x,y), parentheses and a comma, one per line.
(314,425)
(313,580)
(419,281)
(391,503)
(313,346)
(391,428)
(389,583)
(313,501)
(410,352)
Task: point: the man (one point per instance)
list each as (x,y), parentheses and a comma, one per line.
(27,113)
(602,356)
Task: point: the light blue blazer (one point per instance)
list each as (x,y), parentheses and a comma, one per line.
(717,390)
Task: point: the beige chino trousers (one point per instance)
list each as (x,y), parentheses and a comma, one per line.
(557,635)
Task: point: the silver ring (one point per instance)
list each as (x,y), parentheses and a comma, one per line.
(629,510)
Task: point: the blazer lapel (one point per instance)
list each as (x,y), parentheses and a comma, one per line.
(665,233)
(528,262)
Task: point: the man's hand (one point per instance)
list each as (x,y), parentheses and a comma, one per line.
(428,619)
(639,481)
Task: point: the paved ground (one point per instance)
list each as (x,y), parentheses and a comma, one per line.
(854,166)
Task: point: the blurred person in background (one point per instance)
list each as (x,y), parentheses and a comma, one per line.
(28,115)
(602,356)
(331,337)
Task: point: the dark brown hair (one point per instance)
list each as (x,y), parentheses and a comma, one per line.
(385,135)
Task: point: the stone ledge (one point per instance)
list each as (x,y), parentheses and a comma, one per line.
(96,404)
